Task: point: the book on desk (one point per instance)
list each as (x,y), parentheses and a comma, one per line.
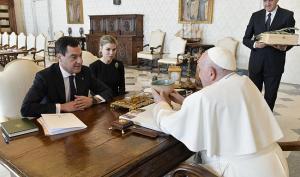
(16,127)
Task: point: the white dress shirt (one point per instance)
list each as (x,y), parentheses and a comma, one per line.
(273,13)
(66,75)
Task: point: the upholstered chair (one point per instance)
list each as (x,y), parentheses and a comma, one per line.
(21,41)
(12,40)
(36,48)
(51,43)
(154,49)
(21,44)
(4,40)
(15,79)
(175,55)
(88,58)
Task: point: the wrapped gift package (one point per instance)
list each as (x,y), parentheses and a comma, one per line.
(279,39)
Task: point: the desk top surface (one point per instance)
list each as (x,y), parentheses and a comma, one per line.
(95,151)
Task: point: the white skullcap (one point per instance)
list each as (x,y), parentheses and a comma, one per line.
(222,57)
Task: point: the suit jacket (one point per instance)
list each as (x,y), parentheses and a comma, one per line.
(48,89)
(269,60)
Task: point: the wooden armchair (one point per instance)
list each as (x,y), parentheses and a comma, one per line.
(175,54)
(40,48)
(51,43)
(4,41)
(153,50)
(195,170)
(13,41)
(36,47)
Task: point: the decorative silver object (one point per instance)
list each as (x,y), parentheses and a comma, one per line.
(70,31)
(81,31)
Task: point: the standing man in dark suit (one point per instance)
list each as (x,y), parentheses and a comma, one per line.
(64,86)
(266,63)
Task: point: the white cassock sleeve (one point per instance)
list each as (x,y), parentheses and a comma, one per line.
(185,125)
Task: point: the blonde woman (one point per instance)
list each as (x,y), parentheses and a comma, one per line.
(107,68)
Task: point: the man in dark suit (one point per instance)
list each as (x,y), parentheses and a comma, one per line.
(64,86)
(266,63)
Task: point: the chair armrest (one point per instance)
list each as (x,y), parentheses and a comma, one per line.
(6,46)
(152,48)
(34,52)
(51,42)
(290,145)
(23,48)
(186,169)
(13,47)
(146,45)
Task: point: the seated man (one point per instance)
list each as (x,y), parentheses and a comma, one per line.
(64,86)
(228,122)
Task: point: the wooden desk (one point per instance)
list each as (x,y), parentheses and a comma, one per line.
(95,151)
(7,56)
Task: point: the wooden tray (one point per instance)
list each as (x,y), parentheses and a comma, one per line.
(133,102)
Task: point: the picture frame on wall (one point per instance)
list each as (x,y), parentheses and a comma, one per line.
(195,11)
(74,11)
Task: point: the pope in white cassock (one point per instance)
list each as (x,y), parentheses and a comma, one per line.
(228,122)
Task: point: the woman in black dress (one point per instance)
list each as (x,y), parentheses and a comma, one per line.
(107,68)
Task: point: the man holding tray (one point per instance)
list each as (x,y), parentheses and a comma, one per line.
(266,63)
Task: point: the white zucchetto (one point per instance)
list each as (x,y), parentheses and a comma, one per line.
(222,57)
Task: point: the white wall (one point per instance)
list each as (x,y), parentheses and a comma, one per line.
(230,18)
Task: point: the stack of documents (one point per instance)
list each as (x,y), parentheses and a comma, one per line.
(60,123)
(142,117)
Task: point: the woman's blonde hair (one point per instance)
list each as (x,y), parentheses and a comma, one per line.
(107,39)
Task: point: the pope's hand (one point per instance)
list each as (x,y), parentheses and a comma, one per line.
(176,97)
(162,96)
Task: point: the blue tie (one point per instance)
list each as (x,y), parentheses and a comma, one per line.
(268,22)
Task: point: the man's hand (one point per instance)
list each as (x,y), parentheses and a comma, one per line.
(69,107)
(280,47)
(176,97)
(162,96)
(82,102)
(260,45)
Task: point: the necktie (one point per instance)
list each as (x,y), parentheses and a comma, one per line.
(268,22)
(72,88)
